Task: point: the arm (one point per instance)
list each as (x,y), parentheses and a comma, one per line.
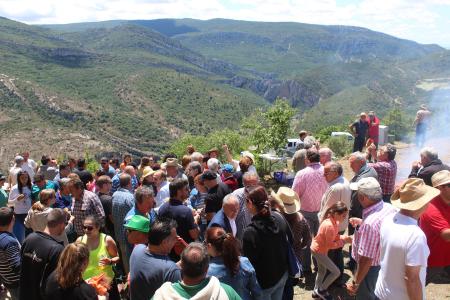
(413,284)
(352,129)
(445,234)
(112,251)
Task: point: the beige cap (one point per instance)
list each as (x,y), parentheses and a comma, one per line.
(289,198)
(368,186)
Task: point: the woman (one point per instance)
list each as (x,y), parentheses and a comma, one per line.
(66,282)
(126,161)
(102,253)
(228,266)
(145,164)
(20,199)
(265,244)
(328,238)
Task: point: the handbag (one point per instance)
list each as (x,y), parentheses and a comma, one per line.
(294,267)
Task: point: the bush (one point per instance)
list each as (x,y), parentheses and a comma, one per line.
(340,145)
(324,134)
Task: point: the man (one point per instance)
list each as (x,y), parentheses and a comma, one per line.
(29,165)
(46,168)
(244,217)
(325,155)
(122,202)
(81,171)
(299,158)
(227,177)
(421,122)
(173,169)
(3,194)
(12,175)
(40,183)
(143,206)
(104,185)
(338,190)
(63,197)
(130,170)
(359,166)
(435,223)
(429,165)
(310,185)
(213,153)
(84,203)
(366,240)
(40,254)
(386,168)
(64,171)
(226,217)
(359,130)
(137,230)
(194,267)
(194,168)
(175,209)
(106,167)
(9,254)
(162,187)
(150,265)
(374,127)
(404,250)
(216,193)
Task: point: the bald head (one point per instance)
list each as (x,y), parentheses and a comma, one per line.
(125,180)
(325,155)
(129,170)
(230,206)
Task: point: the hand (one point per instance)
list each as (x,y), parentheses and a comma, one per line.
(347,239)
(416,164)
(105,261)
(351,289)
(20,197)
(355,222)
(225,148)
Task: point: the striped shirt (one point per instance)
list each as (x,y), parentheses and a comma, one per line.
(366,240)
(9,260)
(310,185)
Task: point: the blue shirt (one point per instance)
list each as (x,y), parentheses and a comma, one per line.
(179,212)
(111,172)
(244,282)
(9,260)
(62,201)
(122,202)
(149,271)
(116,183)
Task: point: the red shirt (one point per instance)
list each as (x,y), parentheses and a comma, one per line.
(231,182)
(374,128)
(436,219)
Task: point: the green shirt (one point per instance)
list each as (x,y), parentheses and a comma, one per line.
(35,190)
(3,198)
(188,291)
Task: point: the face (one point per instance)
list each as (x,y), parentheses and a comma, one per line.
(170,241)
(157,178)
(105,164)
(363,117)
(26,155)
(250,207)
(138,237)
(64,172)
(445,191)
(127,159)
(329,174)
(40,184)
(355,164)
(340,217)
(24,178)
(231,209)
(147,204)
(51,200)
(183,193)
(76,193)
(172,171)
(89,228)
(213,154)
(210,183)
(424,159)
(382,154)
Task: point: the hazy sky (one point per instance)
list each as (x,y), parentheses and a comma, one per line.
(425,21)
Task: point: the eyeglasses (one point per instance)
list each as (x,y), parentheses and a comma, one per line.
(88,228)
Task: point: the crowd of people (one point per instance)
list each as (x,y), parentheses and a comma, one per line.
(197,228)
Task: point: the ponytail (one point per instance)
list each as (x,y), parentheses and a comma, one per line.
(339,208)
(227,246)
(258,197)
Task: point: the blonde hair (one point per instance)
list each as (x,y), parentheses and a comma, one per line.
(45,195)
(71,265)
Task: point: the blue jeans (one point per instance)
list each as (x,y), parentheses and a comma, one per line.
(367,287)
(19,228)
(275,292)
(313,222)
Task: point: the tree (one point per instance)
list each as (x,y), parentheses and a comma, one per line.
(269,129)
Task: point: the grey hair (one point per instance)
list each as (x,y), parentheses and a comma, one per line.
(63,182)
(359,156)
(326,151)
(197,156)
(229,198)
(374,198)
(141,193)
(213,164)
(429,152)
(391,151)
(335,166)
(249,176)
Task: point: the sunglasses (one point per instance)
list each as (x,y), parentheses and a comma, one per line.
(88,228)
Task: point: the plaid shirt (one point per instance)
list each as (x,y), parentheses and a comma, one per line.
(310,185)
(122,202)
(387,171)
(88,205)
(366,240)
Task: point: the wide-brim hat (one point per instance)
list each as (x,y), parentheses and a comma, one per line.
(440,178)
(249,155)
(413,194)
(138,223)
(147,172)
(171,162)
(289,198)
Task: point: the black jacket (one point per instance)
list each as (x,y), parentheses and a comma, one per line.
(265,245)
(428,170)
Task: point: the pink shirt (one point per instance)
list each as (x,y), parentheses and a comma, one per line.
(310,185)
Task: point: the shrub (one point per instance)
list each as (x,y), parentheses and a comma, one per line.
(340,145)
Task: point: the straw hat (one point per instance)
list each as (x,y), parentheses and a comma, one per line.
(249,155)
(147,172)
(413,194)
(289,198)
(440,178)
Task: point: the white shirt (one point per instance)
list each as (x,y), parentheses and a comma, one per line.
(163,194)
(30,166)
(402,243)
(233,226)
(338,190)
(22,206)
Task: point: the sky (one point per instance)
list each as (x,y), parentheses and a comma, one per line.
(424,21)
